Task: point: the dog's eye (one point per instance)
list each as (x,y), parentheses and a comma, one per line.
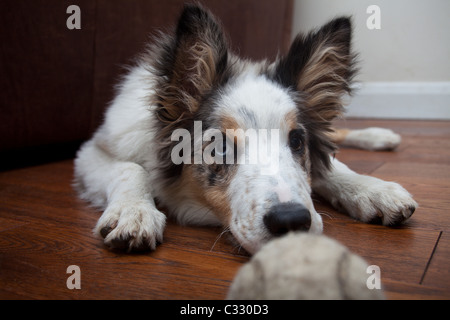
(297,140)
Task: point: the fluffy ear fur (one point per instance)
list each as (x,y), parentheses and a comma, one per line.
(320,66)
(195,63)
(188,66)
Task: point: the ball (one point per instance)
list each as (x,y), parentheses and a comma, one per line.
(303,266)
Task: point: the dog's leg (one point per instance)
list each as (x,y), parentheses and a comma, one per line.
(364,198)
(375,139)
(130,220)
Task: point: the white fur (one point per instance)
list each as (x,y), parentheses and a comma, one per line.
(116,171)
(364,198)
(269,101)
(375,139)
(252,195)
(269,104)
(282,190)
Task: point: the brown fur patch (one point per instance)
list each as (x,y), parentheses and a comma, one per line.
(219,203)
(229,123)
(291,120)
(324,79)
(212,197)
(339,135)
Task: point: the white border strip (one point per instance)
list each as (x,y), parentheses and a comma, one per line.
(401,100)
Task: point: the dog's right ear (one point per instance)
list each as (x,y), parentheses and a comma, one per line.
(320,65)
(194,64)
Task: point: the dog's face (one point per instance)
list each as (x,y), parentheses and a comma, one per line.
(258,132)
(266,185)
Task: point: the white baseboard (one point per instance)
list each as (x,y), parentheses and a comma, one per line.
(401,100)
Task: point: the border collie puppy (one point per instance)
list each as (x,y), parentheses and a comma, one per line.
(217,140)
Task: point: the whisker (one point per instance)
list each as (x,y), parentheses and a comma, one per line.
(326,214)
(237,247)
(227,229)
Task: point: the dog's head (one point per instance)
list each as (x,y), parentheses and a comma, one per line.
(247,138)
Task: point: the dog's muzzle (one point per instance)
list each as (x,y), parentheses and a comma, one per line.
(285,217)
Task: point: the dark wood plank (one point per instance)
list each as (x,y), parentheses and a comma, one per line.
(35,258)
(44,228)
(54,230)
(438,272)
(396,290)
(429,183)
(8,224)
(385,247)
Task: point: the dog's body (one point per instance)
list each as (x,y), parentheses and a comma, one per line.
(190,78)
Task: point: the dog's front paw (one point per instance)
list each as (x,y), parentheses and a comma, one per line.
(377,201)
(131,226)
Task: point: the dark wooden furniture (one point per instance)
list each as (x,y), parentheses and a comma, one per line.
(57,82)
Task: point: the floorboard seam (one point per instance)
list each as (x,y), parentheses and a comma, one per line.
(431,257)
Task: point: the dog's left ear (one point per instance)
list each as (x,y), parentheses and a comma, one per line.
(320,66)
(201,51)
(192,64)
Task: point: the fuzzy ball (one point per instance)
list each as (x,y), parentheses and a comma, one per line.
(303,266)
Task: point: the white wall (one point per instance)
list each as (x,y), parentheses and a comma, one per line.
(412,49)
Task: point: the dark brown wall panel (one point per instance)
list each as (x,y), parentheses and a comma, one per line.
(257,29)
(45,72)
(57,82)
(122,32)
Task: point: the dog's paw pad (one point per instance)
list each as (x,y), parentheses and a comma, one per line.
(107,229)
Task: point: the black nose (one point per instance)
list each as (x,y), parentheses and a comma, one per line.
(285,217)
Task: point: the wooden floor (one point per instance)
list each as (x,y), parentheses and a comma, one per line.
(44,229)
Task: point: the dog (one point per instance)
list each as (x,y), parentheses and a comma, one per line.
(190,82)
